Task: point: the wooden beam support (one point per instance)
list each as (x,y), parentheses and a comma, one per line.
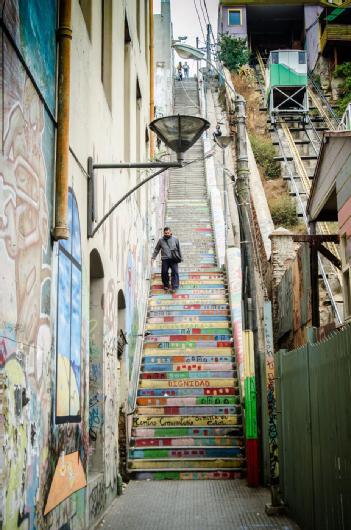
(316,238)
(329,255)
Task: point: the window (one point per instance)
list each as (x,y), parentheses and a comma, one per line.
(146,29)
(234,17)
(86,10)
(127,89)
(302,57)
(106,48)
(274,57)
(138,19)
(69,320)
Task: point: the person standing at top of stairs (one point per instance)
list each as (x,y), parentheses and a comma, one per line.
(171,255)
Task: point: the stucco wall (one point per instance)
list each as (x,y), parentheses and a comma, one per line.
(223,26)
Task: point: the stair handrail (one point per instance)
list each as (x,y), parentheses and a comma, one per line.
(321,94)
(345,123)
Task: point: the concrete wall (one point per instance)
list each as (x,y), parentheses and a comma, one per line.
(60,399)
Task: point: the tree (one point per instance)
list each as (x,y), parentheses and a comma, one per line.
(233,52)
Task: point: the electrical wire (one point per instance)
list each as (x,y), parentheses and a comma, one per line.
(204,16)
(208,18)
(198,16)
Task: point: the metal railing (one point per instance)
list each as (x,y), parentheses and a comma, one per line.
(307,186)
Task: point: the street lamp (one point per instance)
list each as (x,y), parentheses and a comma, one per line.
(179,133)
(223,142)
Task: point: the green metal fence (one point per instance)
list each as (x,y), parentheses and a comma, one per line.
(313,391)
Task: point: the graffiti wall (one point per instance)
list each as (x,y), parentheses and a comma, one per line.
(59,385)
(26,171)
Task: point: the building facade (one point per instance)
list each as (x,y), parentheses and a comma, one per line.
(318,27)
(71,311)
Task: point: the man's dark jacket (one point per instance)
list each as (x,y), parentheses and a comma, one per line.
(166,245)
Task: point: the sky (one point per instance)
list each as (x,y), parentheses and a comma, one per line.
(186,21)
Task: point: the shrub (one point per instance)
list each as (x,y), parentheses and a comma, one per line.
(233,52)
(283,211)
(264,153)
(344,72)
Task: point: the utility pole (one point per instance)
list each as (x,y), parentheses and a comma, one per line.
(252,391)
(244,202)
(208,45)
(197,62)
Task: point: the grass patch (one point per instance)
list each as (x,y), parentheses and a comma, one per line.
(264,153)
(283,211)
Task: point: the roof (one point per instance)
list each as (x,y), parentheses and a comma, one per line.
(233,3)
(334,155)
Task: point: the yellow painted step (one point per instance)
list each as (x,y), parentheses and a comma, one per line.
(187,383)
(219,463)
(184,421)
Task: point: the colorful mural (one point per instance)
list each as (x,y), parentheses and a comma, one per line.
(69,320)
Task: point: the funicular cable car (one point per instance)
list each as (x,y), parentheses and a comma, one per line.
(286,84)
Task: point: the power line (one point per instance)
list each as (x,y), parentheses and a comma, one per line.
(198,16)
(203,13)
(208,18)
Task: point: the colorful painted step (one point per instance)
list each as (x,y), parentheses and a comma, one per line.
(187,423)
(202,441)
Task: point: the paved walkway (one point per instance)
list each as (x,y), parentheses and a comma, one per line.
(192,505)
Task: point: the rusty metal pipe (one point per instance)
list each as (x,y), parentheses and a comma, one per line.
(64,37)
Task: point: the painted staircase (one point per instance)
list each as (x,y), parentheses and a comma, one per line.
(188,422)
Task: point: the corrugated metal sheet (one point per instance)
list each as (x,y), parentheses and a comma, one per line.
(314,424)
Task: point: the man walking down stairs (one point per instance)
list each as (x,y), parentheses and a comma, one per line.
(188,421)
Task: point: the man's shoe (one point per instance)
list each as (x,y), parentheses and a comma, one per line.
(166,289)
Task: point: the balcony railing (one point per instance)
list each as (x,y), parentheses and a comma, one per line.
(335,33)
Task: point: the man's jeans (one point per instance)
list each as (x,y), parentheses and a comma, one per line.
(166,265)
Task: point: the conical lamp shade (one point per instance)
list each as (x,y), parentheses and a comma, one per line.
(178,132)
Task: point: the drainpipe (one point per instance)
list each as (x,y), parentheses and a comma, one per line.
(152,101)
(64,37)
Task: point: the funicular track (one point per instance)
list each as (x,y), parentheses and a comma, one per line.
(299,177)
